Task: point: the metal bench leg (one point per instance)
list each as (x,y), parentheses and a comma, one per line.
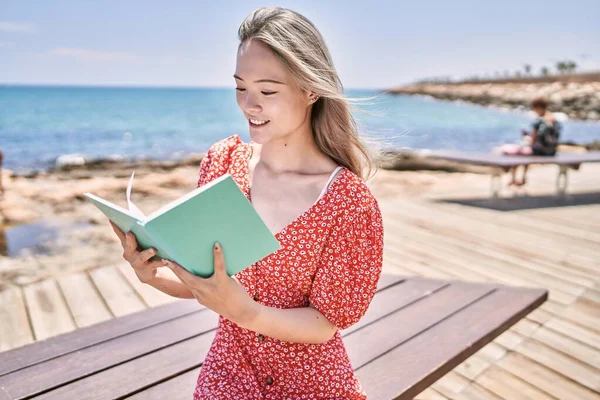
(562,180)
(496,184)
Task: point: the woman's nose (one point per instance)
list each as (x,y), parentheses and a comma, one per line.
(251,104)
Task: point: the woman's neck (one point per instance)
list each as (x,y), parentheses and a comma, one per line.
(293,153)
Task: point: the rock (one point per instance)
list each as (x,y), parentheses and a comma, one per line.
(594,115)
(69,159)
(577,100)
(594,146)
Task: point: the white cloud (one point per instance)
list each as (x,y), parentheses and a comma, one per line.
(92,55)
(7,26)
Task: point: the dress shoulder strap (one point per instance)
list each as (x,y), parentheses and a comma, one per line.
(333,175)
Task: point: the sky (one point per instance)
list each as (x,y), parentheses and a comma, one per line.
(374,44)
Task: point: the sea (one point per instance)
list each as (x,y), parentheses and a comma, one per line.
(42,126)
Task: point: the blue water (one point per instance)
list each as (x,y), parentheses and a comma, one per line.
(38,124)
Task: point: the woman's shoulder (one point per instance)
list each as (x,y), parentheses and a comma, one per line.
(217,159)
(226,145)
(357,193)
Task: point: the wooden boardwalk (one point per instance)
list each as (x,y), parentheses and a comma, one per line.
(451,233)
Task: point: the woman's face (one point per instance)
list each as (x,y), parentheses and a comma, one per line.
(265,93)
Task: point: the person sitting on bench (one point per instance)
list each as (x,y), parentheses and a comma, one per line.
(542,141)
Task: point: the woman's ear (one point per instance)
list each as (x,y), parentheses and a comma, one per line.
(312,98)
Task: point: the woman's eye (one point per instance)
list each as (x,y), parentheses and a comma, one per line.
(264,93)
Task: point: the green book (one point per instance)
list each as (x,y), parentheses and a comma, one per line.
(186,229)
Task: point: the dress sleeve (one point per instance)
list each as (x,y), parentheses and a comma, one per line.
(347,276)
(217,159)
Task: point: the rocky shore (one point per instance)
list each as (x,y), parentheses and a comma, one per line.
(577,98)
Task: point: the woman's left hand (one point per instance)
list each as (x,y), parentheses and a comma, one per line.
(221,293)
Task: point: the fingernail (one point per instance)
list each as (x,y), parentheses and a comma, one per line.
(217,246)
(165,262)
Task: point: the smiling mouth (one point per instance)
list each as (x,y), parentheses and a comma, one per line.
(257,122)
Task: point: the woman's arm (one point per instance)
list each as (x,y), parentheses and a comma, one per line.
(534,133)
(300,325)
(167,282)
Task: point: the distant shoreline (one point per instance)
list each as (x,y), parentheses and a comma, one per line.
(576,95)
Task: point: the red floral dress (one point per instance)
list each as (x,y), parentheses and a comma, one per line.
(330,257)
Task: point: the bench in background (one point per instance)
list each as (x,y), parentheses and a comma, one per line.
(503,163)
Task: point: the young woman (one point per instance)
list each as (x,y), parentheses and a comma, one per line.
(279,327)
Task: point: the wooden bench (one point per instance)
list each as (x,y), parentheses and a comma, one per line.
(503,163)
(415,331)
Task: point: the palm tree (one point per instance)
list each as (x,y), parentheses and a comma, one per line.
(571,66)
(527,68)
(545,71)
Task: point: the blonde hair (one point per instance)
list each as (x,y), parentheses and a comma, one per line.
(301,48)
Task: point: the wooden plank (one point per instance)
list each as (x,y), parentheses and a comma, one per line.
(14,323)
(577,332)
(118,294)
(178,388)
(492,352)
(583,315)
(443,258)
(387,280)
(38,352)
(398,373)
(569,216)
(430,394)
(453,226)
(476,392)
(568,346)
(49,313)
(84,302)
(464,260)
(394,329)
(149,369)
(395,298)
(451,384)
(545,379)
(472,366)
(58,371)
(526,222)
(508,386)
(510,339)
(96,358)
(448,250)
(592,295)
(151,296)
(567,366)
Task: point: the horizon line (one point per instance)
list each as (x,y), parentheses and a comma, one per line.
(138,86)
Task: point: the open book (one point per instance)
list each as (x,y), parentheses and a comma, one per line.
(186,229)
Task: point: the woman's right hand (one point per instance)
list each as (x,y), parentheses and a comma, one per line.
(141,261)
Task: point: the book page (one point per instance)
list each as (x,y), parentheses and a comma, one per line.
(133,209)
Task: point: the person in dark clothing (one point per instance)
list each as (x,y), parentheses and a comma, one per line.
(542,140)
